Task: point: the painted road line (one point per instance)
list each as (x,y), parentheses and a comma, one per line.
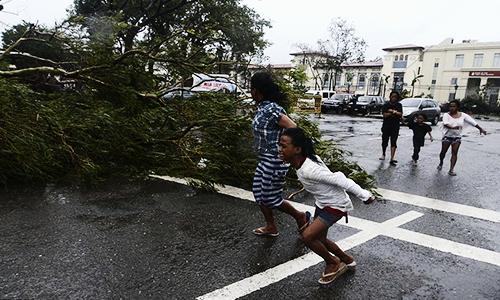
(444,245)
(280,272)
(226,190)
(369,230)
(459,209)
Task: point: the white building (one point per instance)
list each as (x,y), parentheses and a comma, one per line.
(457,70)
(360,78)
(444,72)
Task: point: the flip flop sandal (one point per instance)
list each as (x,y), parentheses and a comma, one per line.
(334,275)
(452,173)
(351,266)
(439,167)
(308,222)
(260,231)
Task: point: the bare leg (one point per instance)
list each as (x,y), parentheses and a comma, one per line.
(393,152)
(312,237)
(333,248)
(299,216)
(269,216)
(454,155)
(444,149)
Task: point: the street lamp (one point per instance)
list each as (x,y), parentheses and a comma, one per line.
(456,88)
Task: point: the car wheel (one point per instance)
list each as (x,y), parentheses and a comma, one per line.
(435,120)
(339,110)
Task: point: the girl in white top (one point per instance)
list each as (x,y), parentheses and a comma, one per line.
(453,124)
(332,201)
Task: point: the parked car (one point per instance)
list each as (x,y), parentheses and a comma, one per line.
(178,91)
(426,106)
(337,103)
(366,105)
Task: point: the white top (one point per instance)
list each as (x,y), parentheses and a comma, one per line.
(462,122)
(328,188)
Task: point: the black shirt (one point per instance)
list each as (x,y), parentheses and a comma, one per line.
(392,120)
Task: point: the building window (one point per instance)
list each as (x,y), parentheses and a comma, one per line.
(433,81)
(478,60)
(399,65)
(401,57)
(396,58)
(326,81)
(496,60)
(436,65)
(361,81)
(459,60)
(406,57)
(454,81)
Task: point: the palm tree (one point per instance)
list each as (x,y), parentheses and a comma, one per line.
(386,82)
(416,78)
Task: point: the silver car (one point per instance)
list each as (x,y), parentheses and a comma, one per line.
(426,106)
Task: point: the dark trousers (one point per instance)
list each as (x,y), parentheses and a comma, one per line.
(417,144)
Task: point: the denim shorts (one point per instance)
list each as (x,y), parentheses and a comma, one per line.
(326,217)
(451,140)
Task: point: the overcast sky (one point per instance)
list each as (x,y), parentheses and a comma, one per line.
(382,23)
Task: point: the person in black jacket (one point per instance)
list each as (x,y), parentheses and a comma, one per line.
(392,113)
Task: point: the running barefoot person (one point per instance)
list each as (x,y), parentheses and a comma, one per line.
(268,124)
(392,113)
(332,201)
(453,124)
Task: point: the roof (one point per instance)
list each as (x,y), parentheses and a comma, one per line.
(281,66)
(273,66)
(407,46)
(311,52)
(365,64)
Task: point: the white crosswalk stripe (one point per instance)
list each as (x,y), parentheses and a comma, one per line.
(368,230)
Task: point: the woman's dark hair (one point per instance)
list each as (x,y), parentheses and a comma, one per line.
(264,83)
(456,102)
(397,94)
(300,139)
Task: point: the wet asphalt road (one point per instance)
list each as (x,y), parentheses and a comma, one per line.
(155,239)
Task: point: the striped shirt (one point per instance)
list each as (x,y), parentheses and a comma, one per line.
(265,126)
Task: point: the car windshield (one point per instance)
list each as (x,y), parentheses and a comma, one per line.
(364,99)
(410,102)
(339,97)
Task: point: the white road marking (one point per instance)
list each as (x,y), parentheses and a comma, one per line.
(459,209)
(273,275)
(368,230)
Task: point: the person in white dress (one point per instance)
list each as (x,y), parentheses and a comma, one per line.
(453,124)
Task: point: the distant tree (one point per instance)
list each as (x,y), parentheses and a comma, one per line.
(314,61)
(343,46)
